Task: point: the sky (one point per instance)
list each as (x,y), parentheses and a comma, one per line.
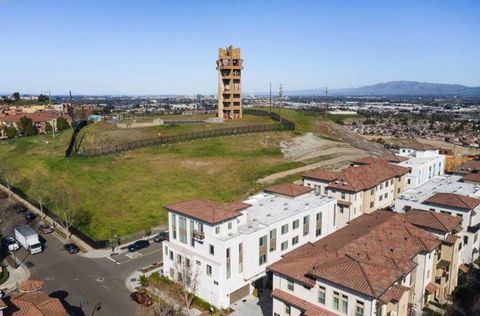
(170,47)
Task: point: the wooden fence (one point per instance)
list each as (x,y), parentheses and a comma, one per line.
(108,149)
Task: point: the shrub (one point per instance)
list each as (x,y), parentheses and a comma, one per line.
(4,276)
(203,304)
(255,292)
(143,280)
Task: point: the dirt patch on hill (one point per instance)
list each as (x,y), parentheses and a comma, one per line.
(310,147)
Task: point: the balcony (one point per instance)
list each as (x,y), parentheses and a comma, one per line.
(198,236)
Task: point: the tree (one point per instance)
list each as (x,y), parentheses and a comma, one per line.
(67,208)
(26,126)
(8,176)
(11,132)
(62,123)
(43,98)
(39,190)
(48,127)
(187,281)
(16,96)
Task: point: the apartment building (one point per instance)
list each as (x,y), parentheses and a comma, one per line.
(424,161)
(378,264)
(448,194)
(230,245)
(448,258)
(361,188)
(229,66)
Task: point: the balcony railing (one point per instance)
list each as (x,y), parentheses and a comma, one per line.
(197,235)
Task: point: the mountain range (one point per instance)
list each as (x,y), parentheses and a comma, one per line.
(397,88)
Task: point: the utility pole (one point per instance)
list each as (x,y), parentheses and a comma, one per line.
(270,97)
(280,95)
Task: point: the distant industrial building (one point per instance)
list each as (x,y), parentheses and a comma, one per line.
(229,66)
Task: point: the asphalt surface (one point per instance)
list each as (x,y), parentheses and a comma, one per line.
(85,286)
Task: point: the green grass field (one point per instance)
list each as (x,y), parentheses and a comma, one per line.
(128,191)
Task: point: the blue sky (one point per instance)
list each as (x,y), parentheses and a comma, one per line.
(161,47)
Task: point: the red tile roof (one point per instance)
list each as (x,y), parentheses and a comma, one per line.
(359,178)
(451,239)
(36,117)
(36,304)
(394,293)
(468,167)
(307,308)
(417,146)
(437,221)
(344,203)
(323,175)
(431,288)
(472,177)
(370,160)
(453,200)
(365,256)
(289,189)
(208,211)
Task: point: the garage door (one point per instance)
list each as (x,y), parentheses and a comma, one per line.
(239,294)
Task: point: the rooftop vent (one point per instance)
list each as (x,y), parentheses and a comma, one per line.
(269,215)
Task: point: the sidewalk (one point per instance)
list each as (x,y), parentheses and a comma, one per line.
(16,277)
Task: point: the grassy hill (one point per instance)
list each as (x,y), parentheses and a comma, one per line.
(128,191)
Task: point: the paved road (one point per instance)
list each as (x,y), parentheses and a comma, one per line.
(83,282)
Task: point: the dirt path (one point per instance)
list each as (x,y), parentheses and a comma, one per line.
(334,163)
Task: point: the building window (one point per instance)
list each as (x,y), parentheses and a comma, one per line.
(198,263)
(372,204)
(372,191)
(284,245)
(187,262)
(262,259)
(408,181)
(296,224)
(284,229)
(171,255)
(174,226)
(295,240)
(380,197)
(262,241)
(230,225)
(340,303)
(183,229)
(288,310)
(240,257)
(217,230)
(166,251)
(212,250)
(290,285)
(179,259)
(209,270)
(321,295)
(386,195)
(359,308)
(306,221)
(273,239)
(465,240)
(343,195)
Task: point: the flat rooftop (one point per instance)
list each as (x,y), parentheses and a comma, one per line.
(441,184)
(267,209)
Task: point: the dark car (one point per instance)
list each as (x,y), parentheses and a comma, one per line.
(45,228)
(161,237)
(71,248)
(139,244)
(29,216)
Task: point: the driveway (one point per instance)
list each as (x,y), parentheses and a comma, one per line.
(254,306)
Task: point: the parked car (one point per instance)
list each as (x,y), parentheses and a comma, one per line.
(10,243)
(45,228)
(161,237)
(30,216)
(139,244)
(142,298)
(71,248)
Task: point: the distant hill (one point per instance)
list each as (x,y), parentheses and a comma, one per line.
(398,88)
